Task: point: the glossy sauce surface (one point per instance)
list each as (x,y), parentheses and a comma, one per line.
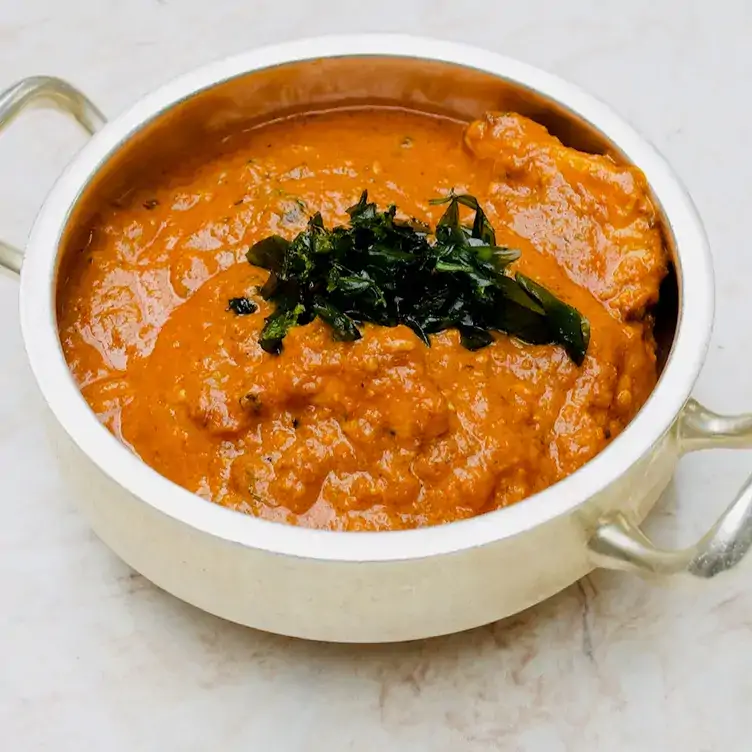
(382,433)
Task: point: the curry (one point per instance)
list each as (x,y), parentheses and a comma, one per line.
(390,430)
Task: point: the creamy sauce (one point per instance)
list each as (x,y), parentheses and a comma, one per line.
(382,433)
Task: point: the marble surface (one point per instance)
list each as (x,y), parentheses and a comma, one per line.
(94,657)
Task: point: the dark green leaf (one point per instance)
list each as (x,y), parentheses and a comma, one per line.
(569,327)
(498,255)
(270,287)
(481,226)
(355,285)
(242,306)
(316,223)
(388,255)
(442,199)
(482,229)
(412,224)
(450,220)
(522,322)
(269,253)
(418,329)
(343,327)
(362,211)
(504,256)
(276,327)
(512,292)
(474,337)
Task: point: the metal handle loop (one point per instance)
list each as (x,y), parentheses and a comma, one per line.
(49,92)
(620,544)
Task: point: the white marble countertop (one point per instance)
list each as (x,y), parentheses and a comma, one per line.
(94,657)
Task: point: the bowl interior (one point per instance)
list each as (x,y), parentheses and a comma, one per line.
(436,87)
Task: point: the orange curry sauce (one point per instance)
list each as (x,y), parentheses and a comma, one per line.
(383,433)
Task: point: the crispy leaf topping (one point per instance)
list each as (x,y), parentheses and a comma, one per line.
(387,271)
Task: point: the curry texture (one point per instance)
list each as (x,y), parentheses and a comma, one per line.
(383,433)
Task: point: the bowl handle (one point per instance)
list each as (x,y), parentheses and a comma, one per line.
(49,92)
(619,544)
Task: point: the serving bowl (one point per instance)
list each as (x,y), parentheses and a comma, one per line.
(384,586)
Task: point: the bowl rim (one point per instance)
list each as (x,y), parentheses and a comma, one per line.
(39,325)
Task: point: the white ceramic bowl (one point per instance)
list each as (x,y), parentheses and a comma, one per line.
(371,587)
